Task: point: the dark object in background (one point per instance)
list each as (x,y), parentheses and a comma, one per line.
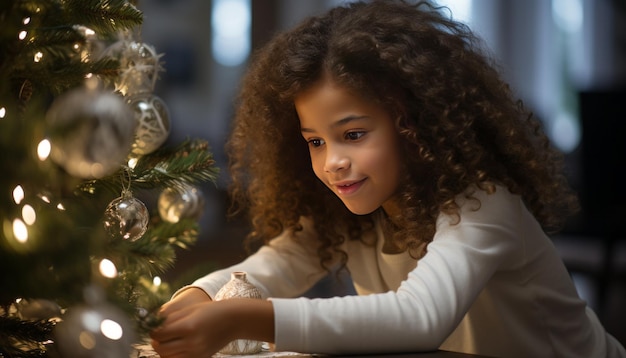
(603,197)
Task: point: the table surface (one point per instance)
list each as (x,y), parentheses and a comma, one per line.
(436,354)
(145,351)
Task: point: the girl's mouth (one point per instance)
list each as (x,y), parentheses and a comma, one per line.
(347,189)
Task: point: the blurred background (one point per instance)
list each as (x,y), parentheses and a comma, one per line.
(566,59)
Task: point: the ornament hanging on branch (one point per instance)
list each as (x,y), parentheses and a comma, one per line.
(140,67)
(180,203)
(126,218)
(91,131)
(95,329)
(153,122)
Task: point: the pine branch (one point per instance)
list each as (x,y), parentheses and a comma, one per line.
(189,163)
(104,16)
(25,338)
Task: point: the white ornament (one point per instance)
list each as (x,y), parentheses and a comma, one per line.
(239,286)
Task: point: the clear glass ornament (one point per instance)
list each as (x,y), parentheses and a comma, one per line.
(90,131)
(175,204)
(140,64)
(153,122)
(126,218)
(239,286)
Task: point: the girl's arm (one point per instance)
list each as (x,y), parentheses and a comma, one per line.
(195,326)
(284,268)
(429,304)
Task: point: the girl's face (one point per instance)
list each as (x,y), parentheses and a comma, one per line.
(353,144)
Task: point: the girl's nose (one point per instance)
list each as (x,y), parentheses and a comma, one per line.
(336,160)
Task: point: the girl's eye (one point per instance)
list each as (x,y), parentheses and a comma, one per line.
(354,135)
(315,142)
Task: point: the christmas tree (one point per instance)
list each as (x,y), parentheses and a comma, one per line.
(83,145)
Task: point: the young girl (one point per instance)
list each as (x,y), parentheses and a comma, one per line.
(380,139)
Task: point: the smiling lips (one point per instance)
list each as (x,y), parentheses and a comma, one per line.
(347,188)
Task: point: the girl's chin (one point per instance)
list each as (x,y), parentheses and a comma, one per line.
(360,210)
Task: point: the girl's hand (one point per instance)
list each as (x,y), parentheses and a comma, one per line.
(195,326)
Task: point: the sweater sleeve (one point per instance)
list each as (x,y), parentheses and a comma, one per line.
(428,305)
(284,268)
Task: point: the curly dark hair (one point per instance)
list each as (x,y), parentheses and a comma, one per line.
(459,122)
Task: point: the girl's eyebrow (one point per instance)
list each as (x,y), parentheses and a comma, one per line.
(339,123)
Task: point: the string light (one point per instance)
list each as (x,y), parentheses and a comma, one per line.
(3,112)
(18,194)
(22,35)
(20,231)
(107,268)
(38,56)
(43,149)
(111,329)
(29,215)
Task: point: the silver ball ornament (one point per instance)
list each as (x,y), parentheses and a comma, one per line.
(95,331)
(176,204)
(126,218)
(91,132)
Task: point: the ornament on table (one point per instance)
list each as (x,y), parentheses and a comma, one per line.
(91,132)
(95,329)
(153,122)
(180,203)
(126,217)
(239,286)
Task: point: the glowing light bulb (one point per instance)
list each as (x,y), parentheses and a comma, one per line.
(38,56)
(18,194)
(22,35)
(3,112)
(20,231)
(43,149)
(26,20)
(132,162)
(29,215)
(111,329)
(156,281)
(107,268)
